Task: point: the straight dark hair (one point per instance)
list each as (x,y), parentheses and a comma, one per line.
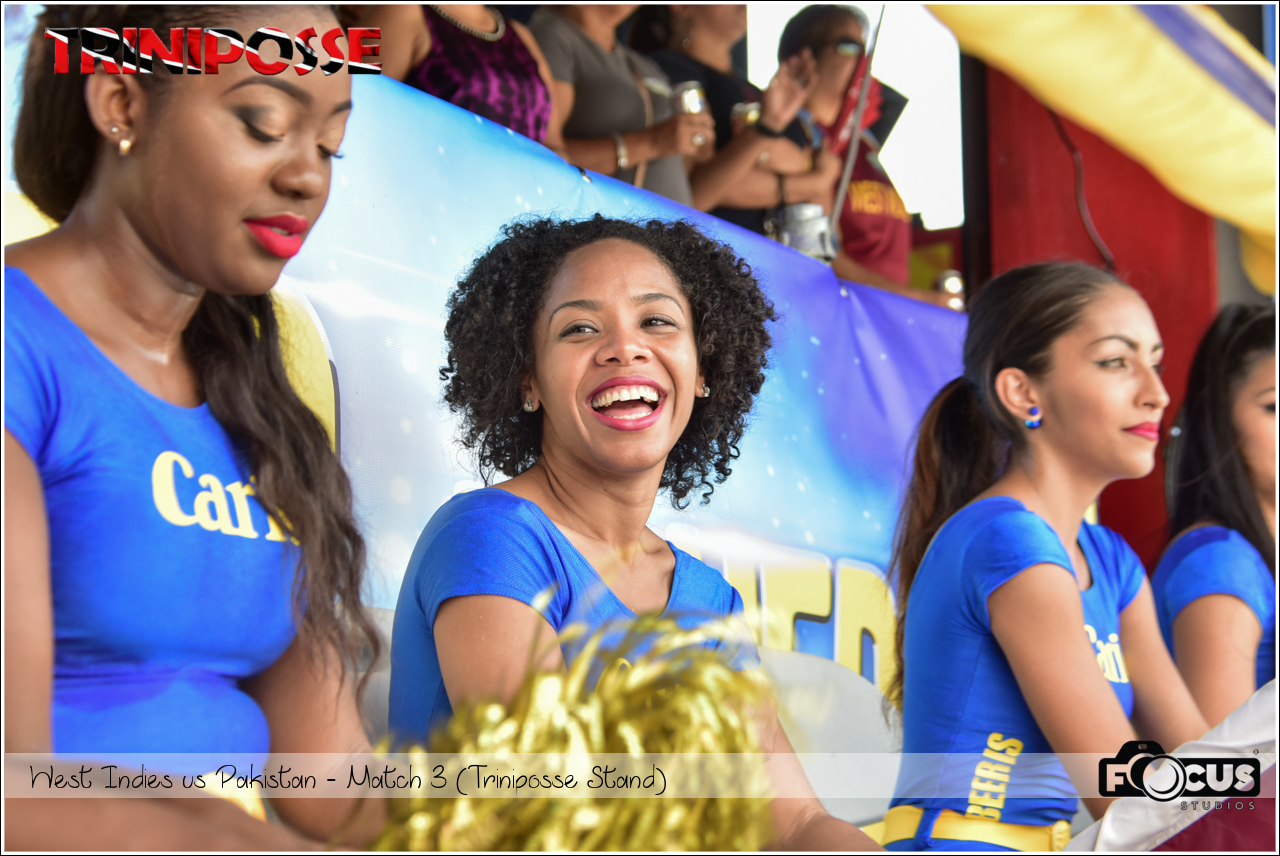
(966,437)
(1207,479)
(232,341)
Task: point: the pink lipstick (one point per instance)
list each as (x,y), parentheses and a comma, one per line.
(1147,430)
(280,235)
(624,408)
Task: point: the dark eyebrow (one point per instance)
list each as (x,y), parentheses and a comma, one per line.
(1133,346)
(651,297)
(295,92)
(574,304)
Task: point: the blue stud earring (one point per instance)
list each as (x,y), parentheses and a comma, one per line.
(1034,421)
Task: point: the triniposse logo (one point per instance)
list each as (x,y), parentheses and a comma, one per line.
(1133,772)
(133,49)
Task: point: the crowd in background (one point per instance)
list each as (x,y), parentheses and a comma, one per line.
(607,88)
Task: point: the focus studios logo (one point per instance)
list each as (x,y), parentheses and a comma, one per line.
(1130,774)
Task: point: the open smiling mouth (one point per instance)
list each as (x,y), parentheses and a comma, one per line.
(626,402)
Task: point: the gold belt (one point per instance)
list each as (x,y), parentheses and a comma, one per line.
(902,822)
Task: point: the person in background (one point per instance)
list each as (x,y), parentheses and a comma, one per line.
(470,56)
(594,363)
(998,572)
(182,563)
(758,165)
(1215,586)
(612,106)
(874,244)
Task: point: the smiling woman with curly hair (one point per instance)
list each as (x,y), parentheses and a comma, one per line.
(491,343)
(594,363)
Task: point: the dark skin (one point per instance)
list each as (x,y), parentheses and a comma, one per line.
(129,266)
(612,311)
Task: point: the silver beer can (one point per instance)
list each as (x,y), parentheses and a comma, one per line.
(688,97)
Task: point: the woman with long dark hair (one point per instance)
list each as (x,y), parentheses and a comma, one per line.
(182,565)
(1024,631)
(1215,586)
(594,363)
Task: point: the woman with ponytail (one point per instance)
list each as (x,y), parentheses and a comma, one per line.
(1215,587)
(1024,631)
(182,565)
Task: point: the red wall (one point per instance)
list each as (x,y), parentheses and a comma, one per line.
(1163,247)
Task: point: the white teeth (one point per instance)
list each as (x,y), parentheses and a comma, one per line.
(280,231)
(624,393)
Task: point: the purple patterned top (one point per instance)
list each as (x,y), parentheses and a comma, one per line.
(498,80)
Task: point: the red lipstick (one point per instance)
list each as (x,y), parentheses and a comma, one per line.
(280,235)
(1146,430)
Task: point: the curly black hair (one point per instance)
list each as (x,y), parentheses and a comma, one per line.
(490,337)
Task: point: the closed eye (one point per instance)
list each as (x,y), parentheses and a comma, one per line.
(329,154)
(259,134)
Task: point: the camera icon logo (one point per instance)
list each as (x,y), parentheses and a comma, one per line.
(1130,774)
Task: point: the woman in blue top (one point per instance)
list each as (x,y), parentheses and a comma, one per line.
(595,363)
(1023,631)
(1215,587)
(157,462)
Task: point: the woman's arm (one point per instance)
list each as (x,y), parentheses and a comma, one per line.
(309,699)
(1215,642)
(799,820)
(28,606)
(84,824)
(672,137)
(406,41)
(714,182)
(1039,622)
(554,139)
(768,185)
(486,645)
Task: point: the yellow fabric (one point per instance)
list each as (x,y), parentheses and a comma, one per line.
(875,831)
(22,219)
(250,802)
(305,360)
(902,822)
(1111,70)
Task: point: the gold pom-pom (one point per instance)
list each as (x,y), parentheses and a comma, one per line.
(678,696)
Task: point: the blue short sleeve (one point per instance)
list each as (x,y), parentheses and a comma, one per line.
(1221,566)
(1005,546)
(467,554)
(30,392)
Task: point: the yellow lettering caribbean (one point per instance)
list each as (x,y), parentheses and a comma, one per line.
(163,490)
(240,494)
(211,506)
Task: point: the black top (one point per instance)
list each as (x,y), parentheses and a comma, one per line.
(723,91)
